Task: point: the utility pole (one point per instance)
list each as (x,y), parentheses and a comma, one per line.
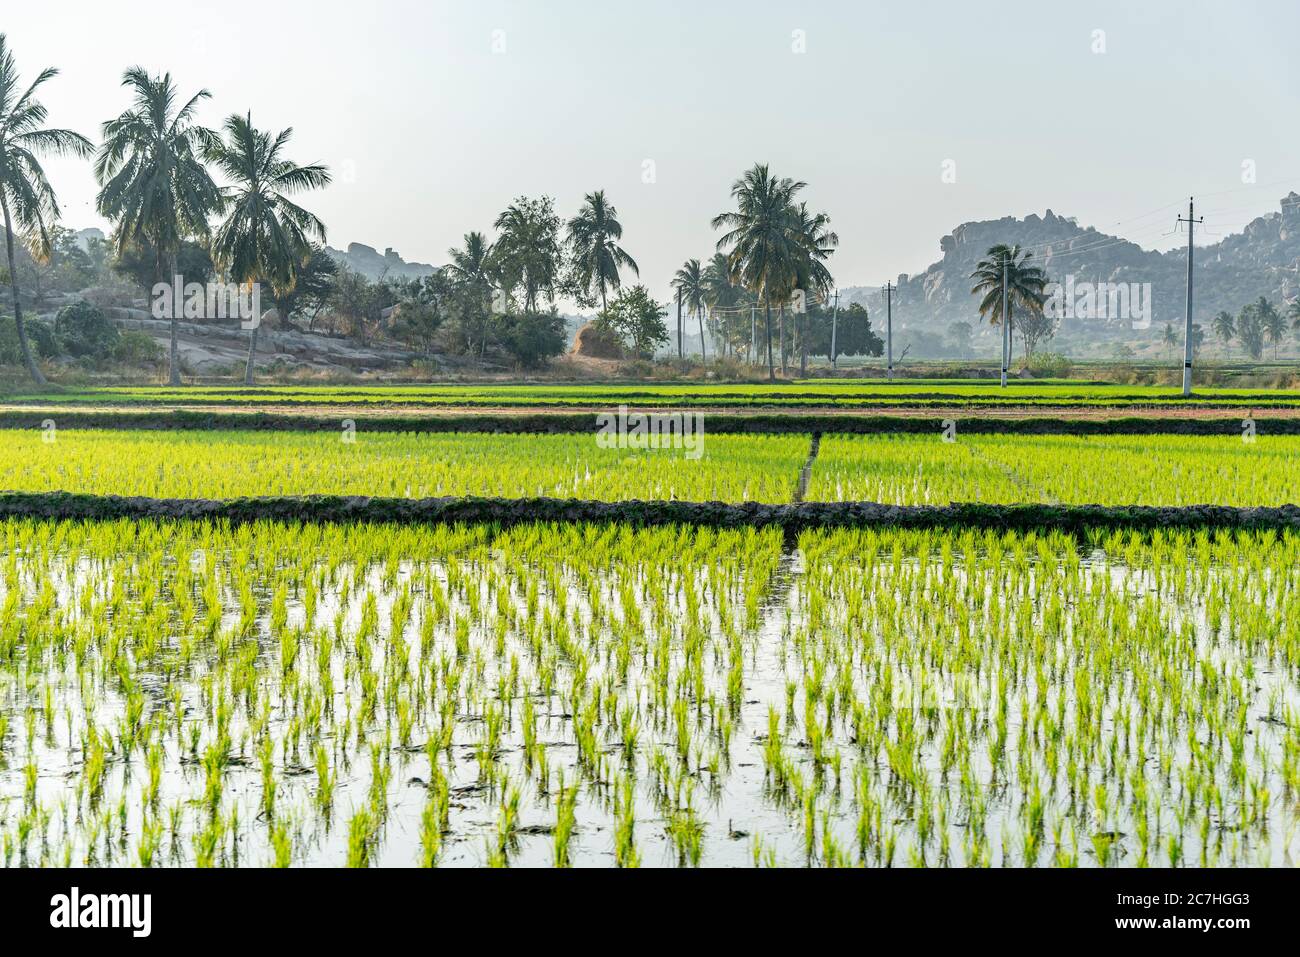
(890,289)
(679,324)
(1191,222)
(835,317)
(1006,322)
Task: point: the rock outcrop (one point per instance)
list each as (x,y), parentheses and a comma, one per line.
(1262,260)
(370,263)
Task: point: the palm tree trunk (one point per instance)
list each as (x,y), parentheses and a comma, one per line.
(173,357)
(28,360)
(780,331)
(771,369)
(802,327)
(699,314)
(252,350)
(680,354)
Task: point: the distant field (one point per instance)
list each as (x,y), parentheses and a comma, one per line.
(891,469)
(805,393)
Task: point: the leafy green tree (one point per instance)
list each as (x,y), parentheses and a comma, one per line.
(1025,287)
(153,181)
(313,284)
(358,303)
(760,238)
(960,335)
(26,197)
(853,333)
(421,312)
(265,237)
(68,268)
(138,263)
(637,319)
(596,256)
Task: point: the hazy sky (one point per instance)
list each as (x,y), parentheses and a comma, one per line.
(433,115)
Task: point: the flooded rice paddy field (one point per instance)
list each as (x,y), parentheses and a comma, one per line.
(183,693)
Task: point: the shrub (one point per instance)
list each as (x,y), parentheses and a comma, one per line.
(1046,365)
(39,334)
(137,348)
(85,331)
(532,338)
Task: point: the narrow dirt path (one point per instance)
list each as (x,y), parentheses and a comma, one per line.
(1016,479)
(805,474)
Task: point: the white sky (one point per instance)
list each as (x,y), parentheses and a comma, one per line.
(430,133)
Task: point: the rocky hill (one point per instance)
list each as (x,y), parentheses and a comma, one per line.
(373,265)
(1262,260)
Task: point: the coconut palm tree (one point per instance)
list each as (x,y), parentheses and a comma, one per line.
(265,237)
(1250,331)
(597,257)
(1025,284)
(26,196)
(528,250)
(1170,338)
(722,297)
(815,244)
(471,266)
(689,282)
(153,181)
(1272,322)
(759,238)
(1225,328)
(473,273)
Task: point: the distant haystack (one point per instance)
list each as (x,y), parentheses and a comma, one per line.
(594,343)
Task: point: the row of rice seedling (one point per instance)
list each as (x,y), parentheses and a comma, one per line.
(204,464)
(195,694)
(1153,469)
(848,392)
(892,469)
(1106,470)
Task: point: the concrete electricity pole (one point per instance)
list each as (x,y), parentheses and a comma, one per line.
(835,317)
(889,330)
(1191,222)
